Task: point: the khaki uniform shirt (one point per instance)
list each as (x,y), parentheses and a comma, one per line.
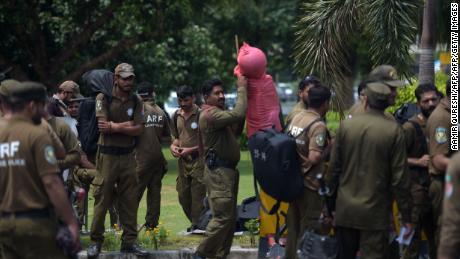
(118,111)
(186,130)
(358,109)
(449,245)
(26,155)
(313,139)
(369,164)
(216,132)
(438,133)
(300,106)
(148,150)
(70,142)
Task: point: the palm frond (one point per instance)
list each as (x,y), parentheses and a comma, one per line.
(320,47)
(392,27)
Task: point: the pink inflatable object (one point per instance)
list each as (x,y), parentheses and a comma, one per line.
(263,103)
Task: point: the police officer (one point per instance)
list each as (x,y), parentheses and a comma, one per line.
(367,169)
(418,159)
(120,120)
(222,152)
(386,74)
(449,245)
(68,139)
(311,136)
(304,86)
(31,190)
(184,128)
(151,163)
(438,133)
(5,88)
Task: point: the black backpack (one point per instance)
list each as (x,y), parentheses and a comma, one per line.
(405,112)
(277,165)
(98,81)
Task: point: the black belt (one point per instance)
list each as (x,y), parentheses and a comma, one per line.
(116,151)
(35,213)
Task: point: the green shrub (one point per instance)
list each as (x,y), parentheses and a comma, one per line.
(407,94)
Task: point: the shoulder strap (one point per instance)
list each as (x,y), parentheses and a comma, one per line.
(307,129)
(175,117)
(420,136)
(135,102)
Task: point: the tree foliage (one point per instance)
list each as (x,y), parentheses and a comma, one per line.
(327,33)
(168,42)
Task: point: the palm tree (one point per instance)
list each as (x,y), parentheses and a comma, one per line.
(326,29)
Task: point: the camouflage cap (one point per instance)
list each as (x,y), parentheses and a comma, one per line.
(377,91)
(70,86)
(386,74)
(124,70)
(7,85)
(28,91)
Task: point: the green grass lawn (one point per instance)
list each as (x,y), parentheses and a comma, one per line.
(172,217)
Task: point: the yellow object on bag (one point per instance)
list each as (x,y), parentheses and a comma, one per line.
(268,222)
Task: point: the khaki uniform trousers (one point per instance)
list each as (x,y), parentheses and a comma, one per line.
(150,179)
(82,177)
(190,188)
(29,238)
(422,220)
(303,213)
(372,244)
(436,193)
(222,184)
(120,170)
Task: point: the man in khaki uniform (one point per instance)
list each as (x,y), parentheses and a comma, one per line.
(301,105)
(388,75)
(418,159)
(438,134)
(449,245)
(120,120)
(311,136)
(68,139)
(5,89)
(151,163)
(368,170)
(184,129)
(31,191)
(222,151)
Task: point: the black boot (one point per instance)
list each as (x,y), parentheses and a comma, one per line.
(134,249)
(94,250)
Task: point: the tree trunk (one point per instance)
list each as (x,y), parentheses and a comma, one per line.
(428,43)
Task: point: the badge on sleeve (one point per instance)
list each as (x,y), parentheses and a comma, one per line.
(320,139)
(440,135)
(449,187)
(49,155)
(98,105)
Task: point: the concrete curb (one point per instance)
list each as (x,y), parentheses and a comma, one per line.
(186,253)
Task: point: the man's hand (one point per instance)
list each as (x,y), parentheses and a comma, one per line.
(75,232)
(104,126)
(175,150)
(242,82)
(424,161)
(187,150)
